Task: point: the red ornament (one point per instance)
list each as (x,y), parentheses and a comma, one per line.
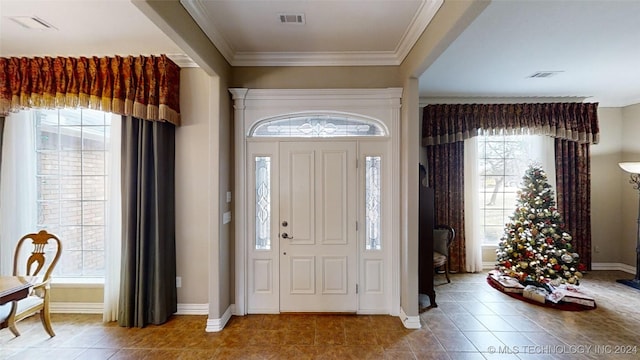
(507,264)
(582,267)
(557,267)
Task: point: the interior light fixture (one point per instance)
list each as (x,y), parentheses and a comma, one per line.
(634,169)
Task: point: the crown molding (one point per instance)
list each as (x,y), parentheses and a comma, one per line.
(422,18)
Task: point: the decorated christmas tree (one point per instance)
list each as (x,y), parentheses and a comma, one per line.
(534,248)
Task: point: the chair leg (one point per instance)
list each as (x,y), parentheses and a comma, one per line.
(446,271)
(11,320)
(46,322)
(45,318)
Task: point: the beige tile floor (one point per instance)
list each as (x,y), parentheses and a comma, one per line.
(473,321)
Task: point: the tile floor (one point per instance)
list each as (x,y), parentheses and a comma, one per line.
(473,321)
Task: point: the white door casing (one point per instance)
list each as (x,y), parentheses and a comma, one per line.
(376,272)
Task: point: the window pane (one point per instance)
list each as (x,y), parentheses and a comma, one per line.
(71,157)
(48,212)
(71,188)
(47,163)
(70,138)
(48,187)
(93,188)
(502,161)
(70,162)
(263,203)
(93,237)
(92,213)
(372,205)
(93,263)
(72,213)
(93,162)
(72,236)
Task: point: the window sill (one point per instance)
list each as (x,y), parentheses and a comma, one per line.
(94,282)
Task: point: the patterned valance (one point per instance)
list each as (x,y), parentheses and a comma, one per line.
(147,87)
(448,123)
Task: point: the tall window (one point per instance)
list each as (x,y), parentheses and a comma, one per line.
(72,169)
(501,163)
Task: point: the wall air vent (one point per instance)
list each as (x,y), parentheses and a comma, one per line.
(292,19)
(543,74)
(33,23)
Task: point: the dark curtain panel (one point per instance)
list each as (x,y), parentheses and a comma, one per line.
(573,183)
(445,171)
(148,278)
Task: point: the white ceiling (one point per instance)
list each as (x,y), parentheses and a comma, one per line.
(594,44)
(335,32)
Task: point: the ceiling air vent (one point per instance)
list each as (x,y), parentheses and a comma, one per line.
(543,74)
(33,23)
(292,19)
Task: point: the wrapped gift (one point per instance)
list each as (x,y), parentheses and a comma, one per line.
(572,294)
(535,293)
(505,283)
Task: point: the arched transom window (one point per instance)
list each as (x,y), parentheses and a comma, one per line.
(312,126)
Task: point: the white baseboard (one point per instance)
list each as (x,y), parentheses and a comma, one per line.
(410,322)
(75,308)
(215,325)
(193,309)
(614,266)
(96,308)
(488,265)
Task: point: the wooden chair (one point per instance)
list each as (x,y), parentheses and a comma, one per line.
(45,252)
(443,236)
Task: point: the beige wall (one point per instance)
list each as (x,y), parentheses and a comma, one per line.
(605,192)
(192,187)
(314,77)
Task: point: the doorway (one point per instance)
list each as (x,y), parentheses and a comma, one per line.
(316,203)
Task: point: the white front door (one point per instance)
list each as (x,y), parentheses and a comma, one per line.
(317,227)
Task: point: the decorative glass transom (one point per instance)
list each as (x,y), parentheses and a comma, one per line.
(318,126)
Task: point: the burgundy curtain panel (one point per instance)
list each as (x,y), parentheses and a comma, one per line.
(573,183)
(573,125)
(446,167)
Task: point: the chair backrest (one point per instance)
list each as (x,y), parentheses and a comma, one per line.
(45,252)
(442,238)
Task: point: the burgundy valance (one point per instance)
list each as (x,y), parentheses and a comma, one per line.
(146,87)
(448,123)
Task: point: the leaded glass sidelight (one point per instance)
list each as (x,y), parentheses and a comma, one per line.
(372,205)
(263,203)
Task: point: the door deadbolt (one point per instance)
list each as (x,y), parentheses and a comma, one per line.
(285,223)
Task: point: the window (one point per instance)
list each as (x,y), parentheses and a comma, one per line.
(263,202)
(501,163)
(372,205)
(318,126)
(71,176)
